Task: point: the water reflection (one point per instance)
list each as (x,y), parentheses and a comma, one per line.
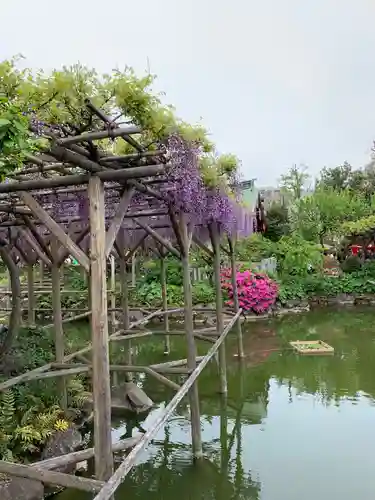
(292,427)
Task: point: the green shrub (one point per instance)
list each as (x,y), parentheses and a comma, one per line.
(318,285)
(297,257)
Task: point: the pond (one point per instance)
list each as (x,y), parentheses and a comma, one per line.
(292,426)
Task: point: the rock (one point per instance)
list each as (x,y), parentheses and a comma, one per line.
(130,397)
(17,488)
(61,443)
(136,316)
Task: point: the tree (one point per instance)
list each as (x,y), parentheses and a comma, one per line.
(277,222)
(337,178)
(294,182)
(321,214)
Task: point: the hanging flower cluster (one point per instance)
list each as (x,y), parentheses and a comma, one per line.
(256,292)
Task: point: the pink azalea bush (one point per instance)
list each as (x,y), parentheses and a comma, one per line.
(256,292)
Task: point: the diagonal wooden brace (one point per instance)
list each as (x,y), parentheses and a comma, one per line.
(55,229)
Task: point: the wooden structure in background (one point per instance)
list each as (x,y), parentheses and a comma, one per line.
(75,167)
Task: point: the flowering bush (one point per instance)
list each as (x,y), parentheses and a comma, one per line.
(256,292)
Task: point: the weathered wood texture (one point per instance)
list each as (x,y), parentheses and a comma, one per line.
(99,333)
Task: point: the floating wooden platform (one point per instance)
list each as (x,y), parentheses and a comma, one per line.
(312,347)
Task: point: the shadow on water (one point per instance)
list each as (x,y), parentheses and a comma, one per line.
(292,427)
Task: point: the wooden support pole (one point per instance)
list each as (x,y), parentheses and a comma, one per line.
(164,293)
(134,269)
(99,333)
(125,300)
(191,348)
(215,239)
(57,319)
(31,295)
(41,273)
(232,248)
(113,293)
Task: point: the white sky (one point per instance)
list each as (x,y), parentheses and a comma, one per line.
(276,82)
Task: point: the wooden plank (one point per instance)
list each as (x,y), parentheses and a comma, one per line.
(117,219)
(55,229)
(114,482)
(49,477)
(99,333)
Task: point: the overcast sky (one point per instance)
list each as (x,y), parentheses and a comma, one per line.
(276,82)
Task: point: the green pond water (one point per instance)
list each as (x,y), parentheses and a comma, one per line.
(292,427)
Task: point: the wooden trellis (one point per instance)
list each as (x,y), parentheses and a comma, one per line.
(71,168)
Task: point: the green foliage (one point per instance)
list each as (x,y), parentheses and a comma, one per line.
(294,182)
(59,98)
(359,227)
(318,285)
(23,433)
(203,293)
(15,139)
(322,213)
(152,271)
(149,294)
(359,182)
(297,257)
(254,248)
(277,222)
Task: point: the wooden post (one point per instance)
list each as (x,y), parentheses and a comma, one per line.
(125,301)
(113,294)
(215,238)
(191,348)
(57,319)
(99,333)
(232,249)
(164,293)
(31,295)
(41,272)
(134,263)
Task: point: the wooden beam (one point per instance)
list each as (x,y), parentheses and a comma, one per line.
(99,333)
(56,230)
(117,219)
(49,477)
(132,251)
(64,253)
(167,244)
(34,245)
(41,242)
